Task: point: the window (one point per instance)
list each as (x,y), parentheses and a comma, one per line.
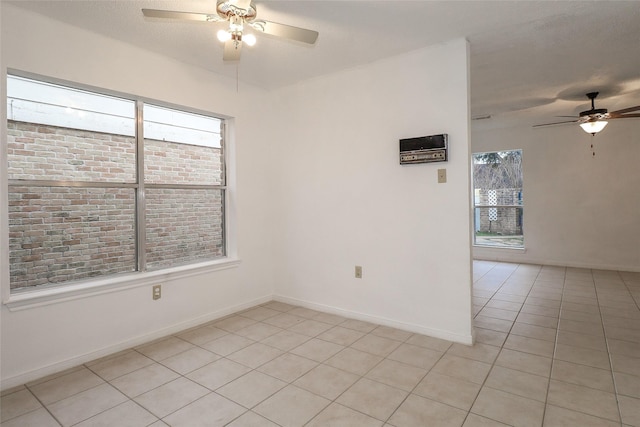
(101,185)
(498,208)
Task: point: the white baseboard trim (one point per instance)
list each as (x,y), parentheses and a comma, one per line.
(435,333)
(500,257)
(35,374)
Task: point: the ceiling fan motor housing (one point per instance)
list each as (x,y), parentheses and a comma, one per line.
(226,9)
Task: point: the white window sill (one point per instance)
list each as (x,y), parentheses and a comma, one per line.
(52,295)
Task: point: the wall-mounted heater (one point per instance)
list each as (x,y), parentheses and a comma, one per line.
(424,149)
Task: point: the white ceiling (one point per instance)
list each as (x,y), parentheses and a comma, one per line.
(530,60)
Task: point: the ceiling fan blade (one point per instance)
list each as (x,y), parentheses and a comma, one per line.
(231,50)
(556,123)
(626,110)
(188,16)
(623,116)
(285,31)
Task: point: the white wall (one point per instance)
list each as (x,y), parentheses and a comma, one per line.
(42,340)
(346,201)
(579,210)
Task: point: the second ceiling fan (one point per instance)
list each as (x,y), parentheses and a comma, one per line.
(239,14)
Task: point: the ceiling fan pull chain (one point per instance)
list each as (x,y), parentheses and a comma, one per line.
(593,151)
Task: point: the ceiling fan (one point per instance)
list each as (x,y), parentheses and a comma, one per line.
(594,120)
(239,14)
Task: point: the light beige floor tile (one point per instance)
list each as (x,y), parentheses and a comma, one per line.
(211,410)
(292,406)
(258,331)
(537,320)
(318,350)
(630,410)
(285,340)
(307,313)
(202,335)
(525,362)
(251,389)
(288,367)
(462,368)
(414,355)
(53,376)
(354,361)
(474,420)
(626,348)
(66,385)
(529,345)
(449,390)
(12,390)
(508,408)
(127,414)
(582,356)
(583,399)
(626,364)
(332,319)
(540,310)
(581,327)
(326,381)
(336,415)
(172,396)
(429,342)
(532,300)
(518,382)
(628,385)
(279,306)
(165,348)
(190,360)
(227,344)
(480,352)
(555,416)
(120,365)
(233,323)
(504,305)
(584,308)
(284,320)
(86,404)
(391,333)
(372,398)
(358,325)
(144,379)
(255,355)
(218,373)
(505,296)
(583,375)
(493,323)
(259,313)
(487,336)
(418,411)
(17,403)
(310,327)
(251,419)
(397,374)
(38,418)
(533,331)
(592,342)
(341,335)
(497,313)
(376,345)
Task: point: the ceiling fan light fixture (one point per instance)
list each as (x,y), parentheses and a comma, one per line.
(593,127)
(249,39)
(223,35)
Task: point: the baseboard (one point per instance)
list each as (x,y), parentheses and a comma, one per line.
(26,377)
(435,333)
(499,257)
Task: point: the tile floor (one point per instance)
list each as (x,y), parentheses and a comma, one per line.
(555,347)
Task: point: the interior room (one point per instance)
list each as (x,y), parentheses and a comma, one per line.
(346,288)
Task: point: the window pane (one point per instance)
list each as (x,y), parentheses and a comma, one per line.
(181,147)
(59,234)
(497,178)
(183,226)
(60,133)
(499,226)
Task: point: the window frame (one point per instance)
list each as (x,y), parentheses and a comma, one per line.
(36,296)
(475,206)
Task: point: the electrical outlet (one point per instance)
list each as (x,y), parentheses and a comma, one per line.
(358,272)
(442,176)
(157,292)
